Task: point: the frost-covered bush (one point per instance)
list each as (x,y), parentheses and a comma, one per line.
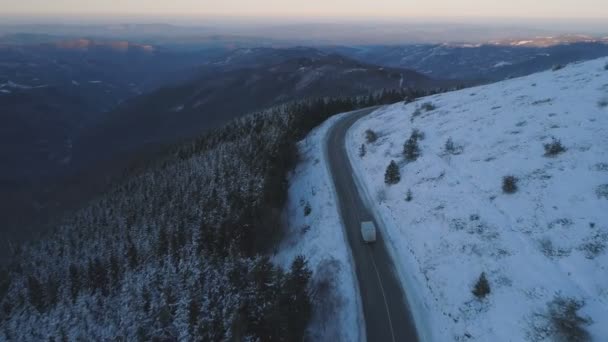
(509,184)
(567,323)
(425,107)
(561,322)
(307,209)
(554,148)
(370,136)
(362,151)
(594,245)
(428,106)
(551,251)
(451,148)
(418,134)
(408,196)
(409,99)
(602,191)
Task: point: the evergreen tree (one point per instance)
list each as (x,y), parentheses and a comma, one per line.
(98,276)
(411,151)
(115,271)
(193,313)
(5,282)
(146,298)
(482,287)
(299,307)
(52,290)
(75,281)
(131,253)
(36,293)
(392,174)
(162,243)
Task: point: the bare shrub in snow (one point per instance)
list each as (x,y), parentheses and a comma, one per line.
(418,134)
(370,136)
(392,174)
(307,209)
(362,151)
(565,320)
(557,67)
(509,184)
(381,196)
(601,167)
(602,191)
(554,148)
(425,107)
(543,101)
(409,99)
(550,251)
(416,113)
(594,245)
(451,148)
(561,322)
(482,286)
(408,196)
(428,106)
(305,229)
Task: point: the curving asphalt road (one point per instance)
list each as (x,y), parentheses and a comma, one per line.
(386,313)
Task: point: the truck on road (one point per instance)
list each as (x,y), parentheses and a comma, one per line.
(368,232)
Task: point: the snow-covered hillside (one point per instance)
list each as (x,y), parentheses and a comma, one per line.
(316,232)
(541,244)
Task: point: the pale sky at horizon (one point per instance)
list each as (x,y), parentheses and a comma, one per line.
(363,8)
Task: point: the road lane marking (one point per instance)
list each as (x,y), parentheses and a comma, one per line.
(388,313)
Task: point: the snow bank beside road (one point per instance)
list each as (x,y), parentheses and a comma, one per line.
(548,239)
(316,232)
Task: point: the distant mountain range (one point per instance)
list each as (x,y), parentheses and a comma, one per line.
(491,61)
(241,82)
(49,91)
(542,41)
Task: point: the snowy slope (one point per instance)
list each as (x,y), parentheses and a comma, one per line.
(317,233)
(546,240)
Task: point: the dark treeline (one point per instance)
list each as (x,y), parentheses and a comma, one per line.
(177,250)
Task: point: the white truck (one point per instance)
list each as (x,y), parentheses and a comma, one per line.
(368,232)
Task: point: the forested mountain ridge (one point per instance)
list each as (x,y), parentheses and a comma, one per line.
(164,255)
(177,250)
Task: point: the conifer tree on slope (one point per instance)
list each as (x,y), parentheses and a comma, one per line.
(392,174)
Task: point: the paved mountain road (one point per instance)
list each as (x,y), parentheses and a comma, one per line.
(386,313)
